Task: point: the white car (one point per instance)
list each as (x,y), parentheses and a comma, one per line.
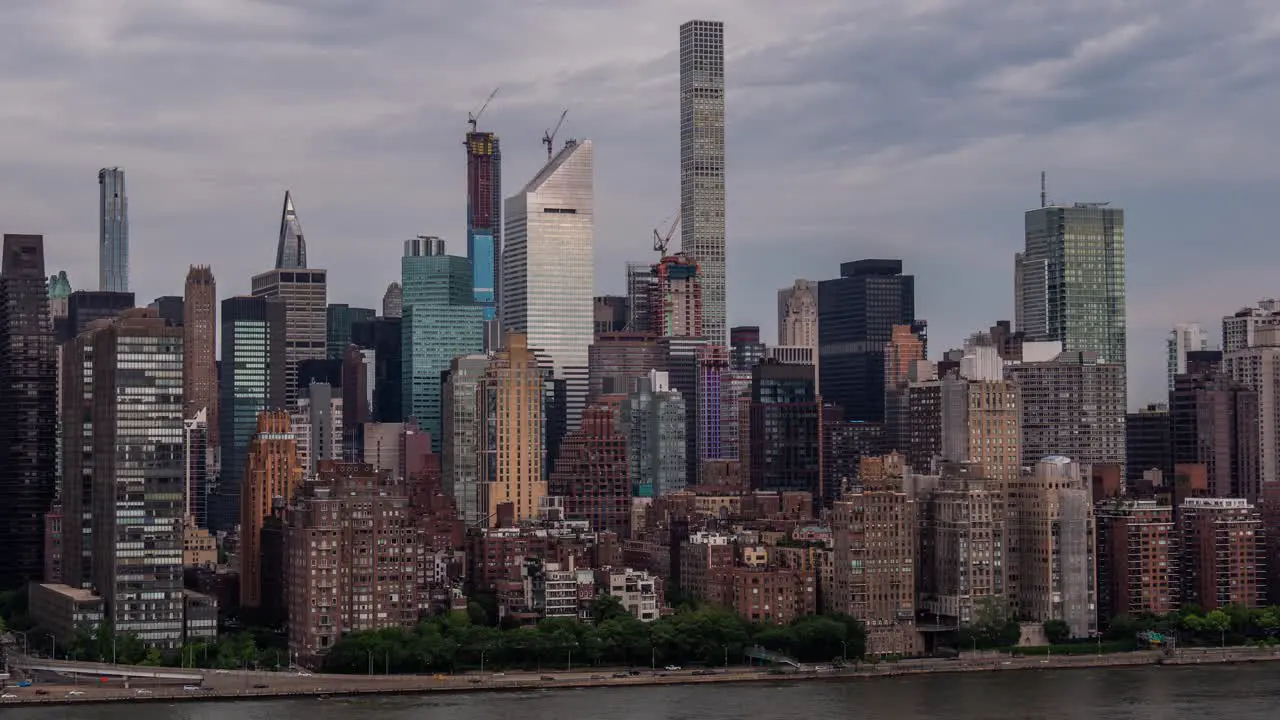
(672,668)
(305,673)
(75,693)
(143,691)
(8,696)
(190,688)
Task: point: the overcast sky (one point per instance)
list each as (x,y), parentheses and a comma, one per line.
(856,128)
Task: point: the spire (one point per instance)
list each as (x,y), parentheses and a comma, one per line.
(292,250)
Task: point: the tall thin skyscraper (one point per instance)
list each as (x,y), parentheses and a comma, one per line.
(484,217)
(113,231)
(702,233)
(291,251)
(200,347)
(28,409)
(548,267)
(1073,278)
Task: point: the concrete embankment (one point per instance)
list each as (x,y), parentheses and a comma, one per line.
(261,686)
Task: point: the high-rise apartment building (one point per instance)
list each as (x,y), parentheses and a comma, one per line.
(1214,421)
(1239,330)
(139,477)
(441,321)
(1257,367)
(856,315)
(548,267)
(28,409)
(1072,403)
(1183,338)
(113,231)
(393,301)
(460,441)
(339,318)
(200,347)
(591,473)
(713,370)
(1223,553)
(291,248)
(317,425)
(904,349)
(702,166)
(352,558)
(786,431)
(1051,543)
(675,301)
(484,217)
(512,430)
(76,491)
(639,296)
(962,544)
(195,468)
(1138,559)
(746,348)
(653,419)
(272,470)
(875,536)
(252,380)
(1073,279)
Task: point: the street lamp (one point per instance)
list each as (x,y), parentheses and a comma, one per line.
(844,651)
(25,650)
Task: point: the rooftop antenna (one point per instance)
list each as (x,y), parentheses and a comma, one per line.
(1043,202)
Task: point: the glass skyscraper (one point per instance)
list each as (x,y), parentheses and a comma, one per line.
(548,268)
(253,380)
(291,250)
(1072,278)
(484,217)
(113,231)
(702,233)
(441,321)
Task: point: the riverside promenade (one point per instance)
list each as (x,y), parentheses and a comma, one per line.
(236,685)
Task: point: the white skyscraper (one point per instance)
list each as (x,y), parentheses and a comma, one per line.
(548,267)
(1183,338)
(702,232)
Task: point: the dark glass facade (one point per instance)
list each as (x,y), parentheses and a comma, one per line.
(1147,442)
(745,348)
(86,306)
(856,315)
(253,379)
(28,409)
(786,430)
(383,336)
(339,317)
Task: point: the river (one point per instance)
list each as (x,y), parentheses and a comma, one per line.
(1241,692)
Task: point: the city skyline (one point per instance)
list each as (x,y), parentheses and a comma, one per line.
(869,183)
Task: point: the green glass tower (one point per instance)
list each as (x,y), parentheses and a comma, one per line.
(1070,278)
(441,321)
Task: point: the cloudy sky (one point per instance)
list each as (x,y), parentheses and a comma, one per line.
(856,128)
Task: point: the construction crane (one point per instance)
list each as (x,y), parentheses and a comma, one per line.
(549,137)
(475,118)
(660,240)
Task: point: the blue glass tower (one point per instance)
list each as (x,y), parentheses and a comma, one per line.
(484,217)
(113,231)
(441,321)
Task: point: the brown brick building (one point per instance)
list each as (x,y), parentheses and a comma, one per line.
(1223,553)
(1138,559)
(591,473)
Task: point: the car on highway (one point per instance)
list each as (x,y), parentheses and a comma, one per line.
(8,696)
(672,668)
(75,693)
(305,673)
(548,677)
(597,677)
(621,675)
(190,688)
(142,691)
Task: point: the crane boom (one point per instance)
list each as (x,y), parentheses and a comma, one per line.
(549,137)
(661,241)
(472,119)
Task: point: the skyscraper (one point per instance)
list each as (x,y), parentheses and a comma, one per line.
(798,315)
(856,315)
(653,419)
(484,217)
(511,413)
(460,444)
(113,231)
(1183,338)
(253,380)
(200,347)
(1072,275)
(339,317)
(548,267)
(676,300)
(272,471)
(441,321)
(639,296)
(28,409)
(786,431)
(702,166)
(291,250)
(139,476)
(393,301)
(591,473)
(305,296)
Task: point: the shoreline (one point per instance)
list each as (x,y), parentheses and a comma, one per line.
(331,686)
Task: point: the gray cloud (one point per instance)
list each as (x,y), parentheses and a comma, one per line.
(907,127)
